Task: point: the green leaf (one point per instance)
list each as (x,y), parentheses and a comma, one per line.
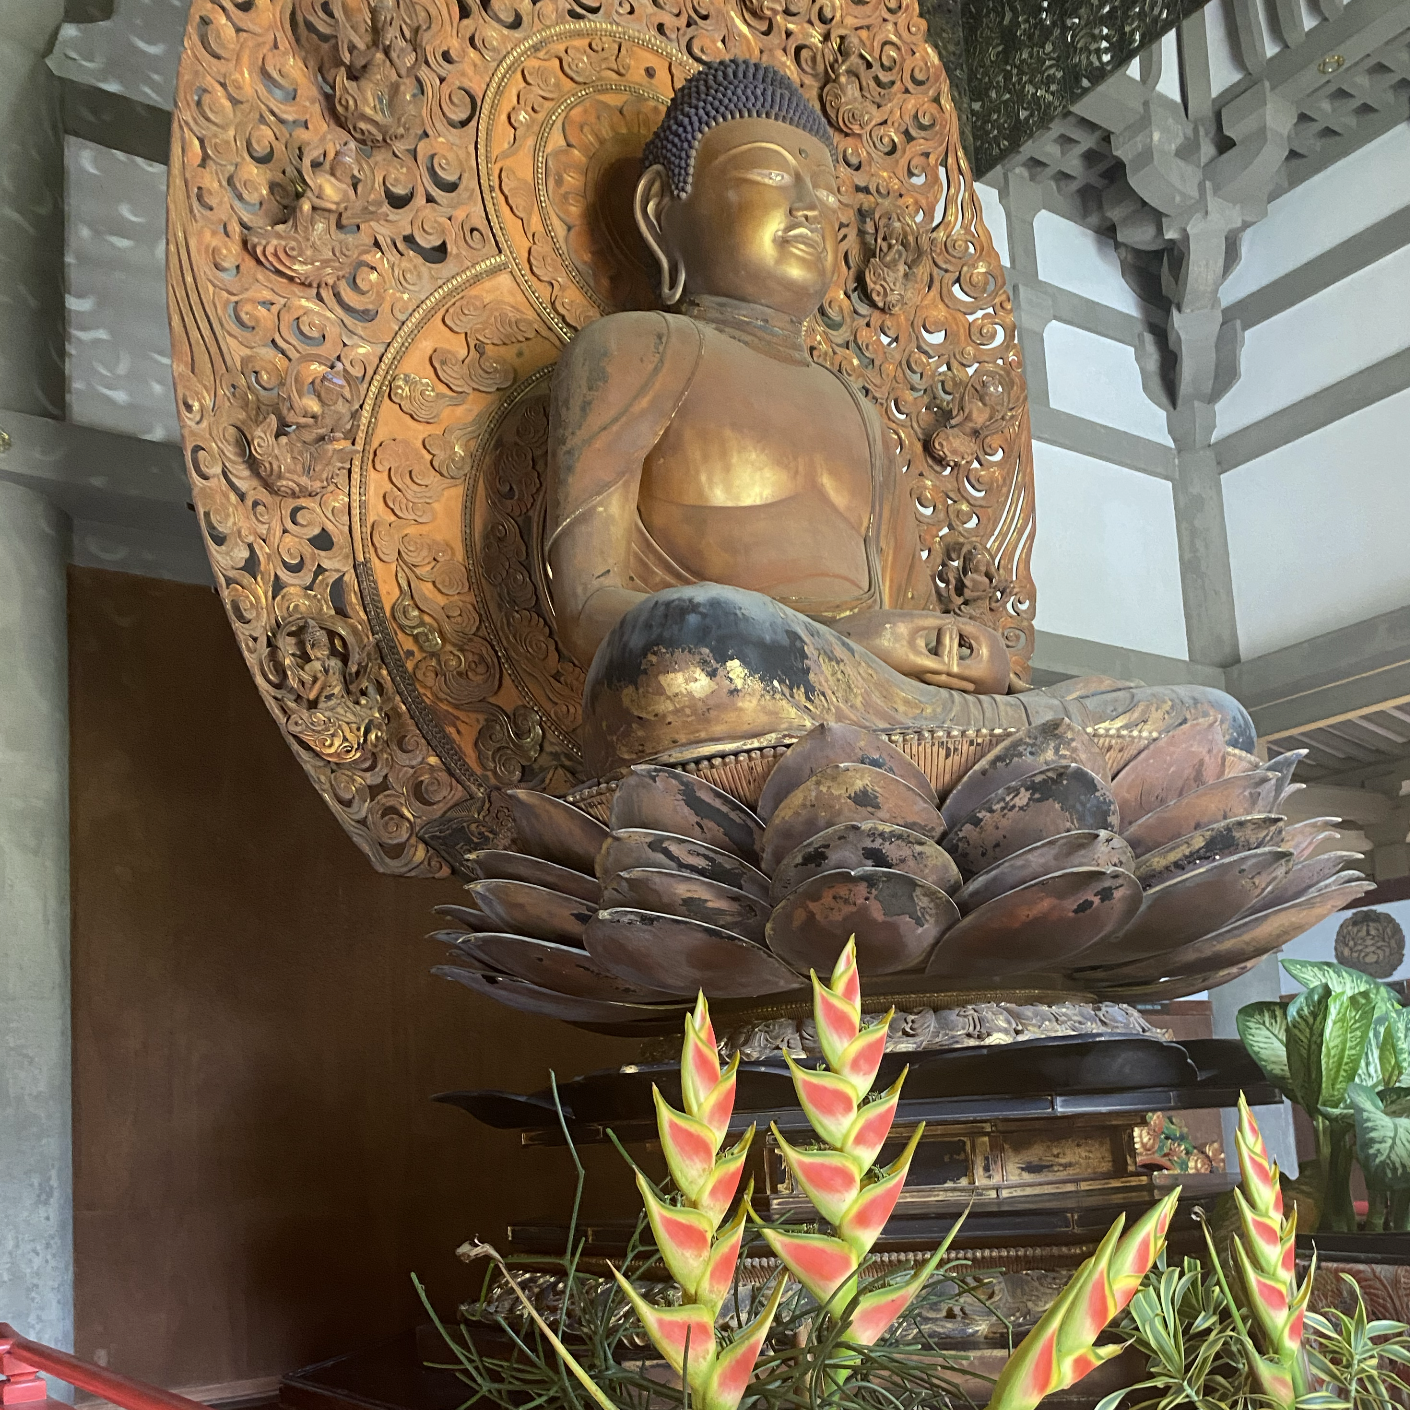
(1344,1041)
(1395,1101)
(1382,1142)
(1264,1030)
(1307,1025)
(1341,980)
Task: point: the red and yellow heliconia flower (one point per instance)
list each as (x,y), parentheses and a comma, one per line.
(700,1254)
(1062,1348)
(840,1182)
(1266,1254)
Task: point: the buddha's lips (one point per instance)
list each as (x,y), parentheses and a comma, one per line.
(804,237)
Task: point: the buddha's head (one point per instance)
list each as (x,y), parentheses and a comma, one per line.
(738,196)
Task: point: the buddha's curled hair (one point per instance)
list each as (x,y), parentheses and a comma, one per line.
(720,91)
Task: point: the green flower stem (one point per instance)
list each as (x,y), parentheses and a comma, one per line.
(1400,1211)
(1336,1150)
(1377,1208)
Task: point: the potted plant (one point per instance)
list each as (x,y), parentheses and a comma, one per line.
(1341,1051)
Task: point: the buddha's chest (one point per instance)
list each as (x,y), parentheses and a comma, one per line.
(754,431)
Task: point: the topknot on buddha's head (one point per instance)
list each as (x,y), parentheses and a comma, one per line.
(721,91)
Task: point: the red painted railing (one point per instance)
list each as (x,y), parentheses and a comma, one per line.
(22,1360)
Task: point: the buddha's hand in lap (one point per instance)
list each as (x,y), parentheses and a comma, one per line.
(935,648)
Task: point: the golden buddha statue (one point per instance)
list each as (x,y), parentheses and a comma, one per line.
(728,542)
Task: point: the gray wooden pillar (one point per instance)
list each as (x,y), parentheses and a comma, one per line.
(36,1166)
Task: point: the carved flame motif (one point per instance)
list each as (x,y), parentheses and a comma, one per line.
(386,218)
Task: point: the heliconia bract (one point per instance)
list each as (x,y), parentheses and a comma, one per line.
(840,1182)
(1062,1348)
(698,1253)
(1266,1254)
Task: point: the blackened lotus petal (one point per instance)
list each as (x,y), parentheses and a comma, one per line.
(844,793)
(1040,927)
(640,847)
(682,956)
(1194,904)
(548,827)
(825,745)
(1178,763)
(1057,799)
(1050,742)
(1237,796)
(678,893)
(1220,839)
(671,800)
(895,918)
(523,909)
(852,846)
(516,866)
(1089,848)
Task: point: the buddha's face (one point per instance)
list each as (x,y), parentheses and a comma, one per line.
(760,223)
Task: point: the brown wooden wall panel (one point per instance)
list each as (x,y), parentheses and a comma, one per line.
(258,1168)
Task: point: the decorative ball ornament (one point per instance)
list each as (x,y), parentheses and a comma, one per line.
(1372,942)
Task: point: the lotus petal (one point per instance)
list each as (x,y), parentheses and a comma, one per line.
(896,919)
(1040,746)
(1305,875)
(1209,843)
(1248,938)
(548,827)
(1240,761)
(826,745)
(1283,765)
(1060,798)
(1195,903)
(845,793)
(515,866)
(471,917)
(1177,988)
(670,800)
(1234,796)
(854,845)
(1092,848)
(1178,763)
(529,998)
(561,968)
(1042,926)
(683,956)
(640,847)
(463,956)
(522,909)
(677,893)
(1303,838)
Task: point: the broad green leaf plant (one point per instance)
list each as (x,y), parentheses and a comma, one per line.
(1341,1051)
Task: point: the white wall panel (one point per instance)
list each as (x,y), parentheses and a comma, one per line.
(119,345)
(1225,68)
(1362,319)
(1325,210)
(1105,559)
(1079,259)
(1097,378)
(1319,531)
(994,218)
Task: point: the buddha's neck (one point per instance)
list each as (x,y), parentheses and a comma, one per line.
(766,330)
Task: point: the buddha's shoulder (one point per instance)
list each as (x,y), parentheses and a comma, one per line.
(635,337)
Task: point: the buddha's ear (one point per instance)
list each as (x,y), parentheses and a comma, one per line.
(653,193)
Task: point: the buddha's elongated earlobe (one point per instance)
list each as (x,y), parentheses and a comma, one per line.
(652,193)
(672,289)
